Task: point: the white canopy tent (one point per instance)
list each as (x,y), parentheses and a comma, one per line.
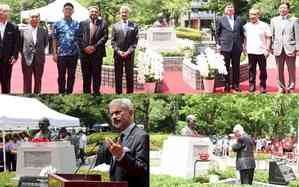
(20,113)
(53,11)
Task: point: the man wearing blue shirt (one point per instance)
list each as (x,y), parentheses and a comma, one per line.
(65,49)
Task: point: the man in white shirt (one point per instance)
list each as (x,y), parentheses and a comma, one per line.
(34,41)
(257,44)
(189,129)
(82,146)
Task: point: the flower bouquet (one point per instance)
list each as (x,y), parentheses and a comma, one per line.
(150,68)
(209,65)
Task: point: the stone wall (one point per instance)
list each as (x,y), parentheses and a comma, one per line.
(173,63)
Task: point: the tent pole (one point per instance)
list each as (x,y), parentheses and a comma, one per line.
(4,155)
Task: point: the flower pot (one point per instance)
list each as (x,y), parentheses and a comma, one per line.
(209,85)
(149,87)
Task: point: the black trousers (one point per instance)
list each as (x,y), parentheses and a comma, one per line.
(36,69)
(92,71)
(66,66)
(119,64)
(246,176)
(5,76)
(232,58)
(253,60)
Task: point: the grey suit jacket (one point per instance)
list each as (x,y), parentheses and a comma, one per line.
(245,155)
(284,36)
(227,37)
(30,50)
(125,42)
(134,167)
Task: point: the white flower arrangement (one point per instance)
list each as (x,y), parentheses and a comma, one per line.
(46,171)
(210,63)
(150,66)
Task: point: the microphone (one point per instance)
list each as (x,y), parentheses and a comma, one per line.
(93,148)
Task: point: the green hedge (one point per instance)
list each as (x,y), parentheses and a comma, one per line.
(156,141)
(179,53)
(188,33)
(97,137)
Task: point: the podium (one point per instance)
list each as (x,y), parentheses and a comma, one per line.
(71,180)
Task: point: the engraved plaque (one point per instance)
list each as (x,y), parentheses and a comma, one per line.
(161,36)
(37,159)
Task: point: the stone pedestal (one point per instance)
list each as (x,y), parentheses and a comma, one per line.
(180,153)
(173,63)
(161,39)
(33,157)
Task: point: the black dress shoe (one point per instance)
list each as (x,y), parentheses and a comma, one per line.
(226,88)
(252,88)
(237,88)
(263,90)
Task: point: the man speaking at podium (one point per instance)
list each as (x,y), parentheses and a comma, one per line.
(129,155)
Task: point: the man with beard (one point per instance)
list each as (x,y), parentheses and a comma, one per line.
(9,47)
(129,155)
(93,36)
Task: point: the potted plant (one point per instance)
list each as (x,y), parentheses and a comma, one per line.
(150,69)
(209,65)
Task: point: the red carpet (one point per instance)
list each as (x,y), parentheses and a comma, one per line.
(173,81)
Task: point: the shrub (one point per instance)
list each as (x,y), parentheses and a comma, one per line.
(178,53)
(100,137)
(156,141)
(188,33)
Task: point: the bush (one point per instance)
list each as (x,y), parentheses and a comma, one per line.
(95,138)
(168,181)
(261,176)
(5,179)
(178,53)
(294,183)
(188,33)
(100,137)
(156,141)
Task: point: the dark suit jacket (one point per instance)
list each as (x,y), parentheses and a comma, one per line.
(226,37)
(30,50)
(99,40)
(9,44)
(124,42)
(245,155)
(134,167)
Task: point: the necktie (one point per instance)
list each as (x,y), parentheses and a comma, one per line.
(93,28)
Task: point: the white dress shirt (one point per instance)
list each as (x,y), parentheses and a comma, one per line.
(2,28)
(34,34)
(125,25)
(231,21)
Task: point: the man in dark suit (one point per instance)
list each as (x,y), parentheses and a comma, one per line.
(34,41)
(245,162)
(129,156)
(229,39)
(9,45)
(93,36)
(124,41)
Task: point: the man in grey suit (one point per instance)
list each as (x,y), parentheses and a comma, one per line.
(285,46)
(245,162)
(124,41)
(34,40)
(229,40)
(129,155)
